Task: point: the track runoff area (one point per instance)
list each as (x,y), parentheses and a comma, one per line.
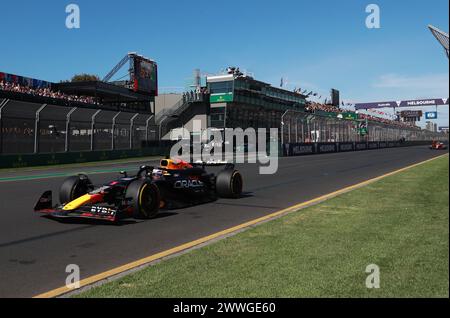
(35,251)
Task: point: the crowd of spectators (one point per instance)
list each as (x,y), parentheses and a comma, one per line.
(45,92)
(196,94)
(388,121)
(312,107)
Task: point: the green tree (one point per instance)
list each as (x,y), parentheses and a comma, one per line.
(84,78)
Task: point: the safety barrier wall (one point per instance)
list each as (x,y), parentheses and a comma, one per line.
(163,149)
(30,160)
(299,149)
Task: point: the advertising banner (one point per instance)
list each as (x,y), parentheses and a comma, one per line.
(325,147)
(403,103)
(423,102)
(298,149)
(360,145)
(391,144)
(346,146)
(348,116)
(23,81)
(411,113)
(375,105)
(431,115)
(221,98)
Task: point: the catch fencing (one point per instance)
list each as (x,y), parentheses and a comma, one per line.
(32,128)
(300,127)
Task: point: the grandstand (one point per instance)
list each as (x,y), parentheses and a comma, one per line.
(242,101)
(41,117)
(238,100)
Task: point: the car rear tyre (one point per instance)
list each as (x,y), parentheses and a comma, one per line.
(145,199)
(73,188)
(229,184)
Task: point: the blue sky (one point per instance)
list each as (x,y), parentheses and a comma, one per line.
(314,45)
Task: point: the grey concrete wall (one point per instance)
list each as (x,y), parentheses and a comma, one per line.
(189,126)
(164,101)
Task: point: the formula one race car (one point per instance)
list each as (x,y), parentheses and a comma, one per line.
(174,184)
(437,145)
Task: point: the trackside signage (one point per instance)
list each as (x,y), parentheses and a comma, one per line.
(373,145)
(298,149)
(403,103)
(301,149)
(326,147)
(345,146)
(360,145)
(391,144)
(221,98)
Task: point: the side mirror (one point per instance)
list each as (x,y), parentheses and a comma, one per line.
(124,173)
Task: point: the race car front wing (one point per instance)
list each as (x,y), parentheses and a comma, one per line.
(98,212)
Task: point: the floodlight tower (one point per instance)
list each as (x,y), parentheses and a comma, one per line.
(441,36)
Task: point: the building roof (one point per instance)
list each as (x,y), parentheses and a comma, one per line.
(106,91)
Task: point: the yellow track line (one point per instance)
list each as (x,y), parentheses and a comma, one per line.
(118,270)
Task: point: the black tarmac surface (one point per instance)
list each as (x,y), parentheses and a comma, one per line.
(34,250)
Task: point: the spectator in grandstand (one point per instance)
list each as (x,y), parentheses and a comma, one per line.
(312,107)
(44,92)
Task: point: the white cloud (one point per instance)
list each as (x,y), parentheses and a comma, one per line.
(423,86)
(402,87)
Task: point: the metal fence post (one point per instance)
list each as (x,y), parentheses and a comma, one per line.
(132,128)
(36,128)
(308,127)
(93,127)
(113,127)
(147,126)
(289,130)
(319,128)
(67,141)
(2,105)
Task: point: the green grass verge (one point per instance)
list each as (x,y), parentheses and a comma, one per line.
(80,165)
(399,223)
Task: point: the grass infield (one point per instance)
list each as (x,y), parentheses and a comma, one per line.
(81,165)
(399,223)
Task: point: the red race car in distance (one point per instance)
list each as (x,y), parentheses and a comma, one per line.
(438,145)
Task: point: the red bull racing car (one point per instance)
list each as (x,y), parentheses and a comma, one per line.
(174,184)
(438,145)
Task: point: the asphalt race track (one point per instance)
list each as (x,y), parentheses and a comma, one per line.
(34,250)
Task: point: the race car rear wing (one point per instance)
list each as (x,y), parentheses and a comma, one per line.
(214,164)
